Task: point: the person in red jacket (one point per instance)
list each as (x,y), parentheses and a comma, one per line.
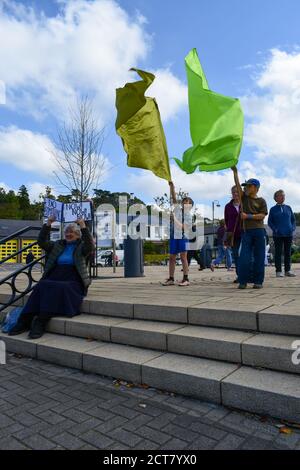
(233,225)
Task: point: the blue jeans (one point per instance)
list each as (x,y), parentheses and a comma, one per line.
(235,254)
(223,253)
(252,252)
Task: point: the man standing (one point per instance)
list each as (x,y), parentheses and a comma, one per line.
(233,226)
(254,210)
(223,249)
(283,223)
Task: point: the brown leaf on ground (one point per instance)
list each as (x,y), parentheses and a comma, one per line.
(285,430)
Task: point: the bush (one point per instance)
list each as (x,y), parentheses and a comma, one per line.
(156,259)
(160,248)
(296,258)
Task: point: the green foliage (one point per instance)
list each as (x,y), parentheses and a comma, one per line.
(106,197)
(18,206)
(160,248)
(296,258)
(297,216)
(155,259)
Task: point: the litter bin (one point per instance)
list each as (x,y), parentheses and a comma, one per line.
(133,257)
(206,255)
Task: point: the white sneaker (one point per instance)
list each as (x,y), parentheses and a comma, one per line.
(290,274)
(279,274)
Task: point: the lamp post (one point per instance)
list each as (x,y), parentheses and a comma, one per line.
(217,204)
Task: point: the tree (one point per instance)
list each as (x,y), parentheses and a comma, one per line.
(79,159)
(24,202)
(106,197)
(164,202)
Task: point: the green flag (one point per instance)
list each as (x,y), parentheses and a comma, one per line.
(216,124)
(139,126)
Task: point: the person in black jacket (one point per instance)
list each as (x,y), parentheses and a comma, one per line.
(65,280)
(29,257)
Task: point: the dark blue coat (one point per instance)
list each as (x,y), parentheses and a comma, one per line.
(282,221)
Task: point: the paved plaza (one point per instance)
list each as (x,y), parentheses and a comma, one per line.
(206,287)
(43,406)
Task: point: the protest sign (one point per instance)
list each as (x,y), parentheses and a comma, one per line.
(53,208)
(77,210)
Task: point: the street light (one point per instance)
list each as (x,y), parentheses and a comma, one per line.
(215,202)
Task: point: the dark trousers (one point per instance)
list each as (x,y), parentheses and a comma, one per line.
(286,243)
(194,254)
(253,247)
(235,254)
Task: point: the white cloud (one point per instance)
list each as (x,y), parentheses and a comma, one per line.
(26,150)
(170,93)
(4,186)
(36,188)
(272,128)
(202,187)
(274,111)
(87,48)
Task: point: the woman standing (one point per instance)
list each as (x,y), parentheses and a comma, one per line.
(233,226)
(65,280)
(283,223)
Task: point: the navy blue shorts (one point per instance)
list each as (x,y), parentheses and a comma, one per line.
(177,246)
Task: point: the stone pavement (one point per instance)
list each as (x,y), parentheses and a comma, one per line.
(206,287)
(43,406)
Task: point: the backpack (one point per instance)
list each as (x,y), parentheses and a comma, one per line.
(11,319)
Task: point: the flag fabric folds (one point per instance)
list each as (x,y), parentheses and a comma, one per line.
(139,126)
(216,124)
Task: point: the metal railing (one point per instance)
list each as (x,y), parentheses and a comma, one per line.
(12,278)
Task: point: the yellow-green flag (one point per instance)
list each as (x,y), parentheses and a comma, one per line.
(139,126)
(216,124)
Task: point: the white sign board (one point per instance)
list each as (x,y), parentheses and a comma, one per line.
(105,228)
(53,208)
(77,210)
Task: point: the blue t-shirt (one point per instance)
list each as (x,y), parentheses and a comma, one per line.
(67,255)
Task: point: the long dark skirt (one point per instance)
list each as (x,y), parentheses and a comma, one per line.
(60,294)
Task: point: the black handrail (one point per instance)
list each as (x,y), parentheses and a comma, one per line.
(11,278)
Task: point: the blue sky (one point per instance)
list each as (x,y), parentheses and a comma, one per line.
(249,49)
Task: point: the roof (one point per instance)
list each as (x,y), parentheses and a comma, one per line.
(10,226)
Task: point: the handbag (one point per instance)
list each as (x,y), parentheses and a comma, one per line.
(11,319)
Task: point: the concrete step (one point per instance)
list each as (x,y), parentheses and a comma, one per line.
(284,320)
(264,392)
(247,348)
(181,374)
(259,391)
(245,317)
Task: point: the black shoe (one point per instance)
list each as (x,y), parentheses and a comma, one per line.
(257,286)
(37,328)
(242,286)
(22,325)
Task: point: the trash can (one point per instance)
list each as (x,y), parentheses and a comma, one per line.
(133,257)
(206,255)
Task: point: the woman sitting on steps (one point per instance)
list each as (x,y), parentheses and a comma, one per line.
(65,280)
